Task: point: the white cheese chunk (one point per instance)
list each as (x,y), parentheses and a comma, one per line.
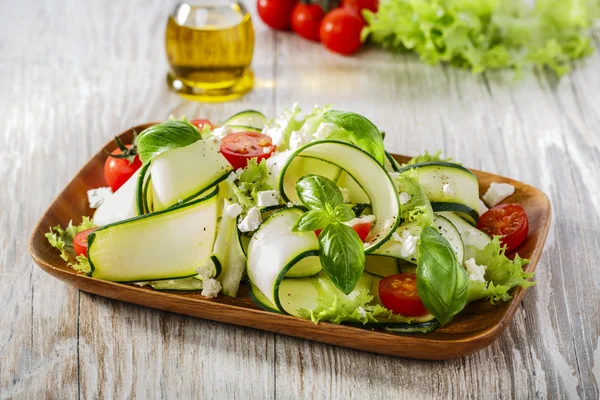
(475,272)
(220,132)
(207,271)
(97,196)
(210,287)
(447,189)
(497,192)
(404,198)
(233,210)
(268,198)
(345,194)
(365,219)
(325,130)
(252,221)
(299,139)
(482,207)
(409,245)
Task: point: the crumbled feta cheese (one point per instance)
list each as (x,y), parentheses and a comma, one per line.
(290,204)
(404,198)
(220,132)
(141,284)
(475,272)
(497,192)
(233,210)
(207,271)
(299,139)
(394,175)
(365,219)
(447,189)
(409,244)
(482,207)
(345,194)
(232,177)
(268,198)
(210,287)
(324,130)
(98,196)
(252,221)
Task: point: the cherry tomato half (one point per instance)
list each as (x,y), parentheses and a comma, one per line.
(398,293)
(80,243)
(508,221)
(276,13)
(340,31)
(306,20)
(201,123)
(118,170)
(240,147)
(362,230)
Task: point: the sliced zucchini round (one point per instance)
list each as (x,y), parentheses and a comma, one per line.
(462,194)
(301,166)
(470,236)
(247,118)
(241,128)
(261,300)
(142,186)
(381,265)
(365,170)
(179,285)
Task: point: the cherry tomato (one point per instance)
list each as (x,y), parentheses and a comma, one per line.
(118,170)
(201,123)
(362,230)
(340,31)
(276,13)
(359,5)
(508,221)
(398,293)
(306,20)
(80,243)
(240,147)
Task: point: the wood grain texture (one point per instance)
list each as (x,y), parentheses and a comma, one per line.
(72,73)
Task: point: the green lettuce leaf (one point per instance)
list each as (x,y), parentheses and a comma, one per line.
(335,306)
(501,274)
(418,208)
(487,34)
(252,180)
(62,239)
(421,158)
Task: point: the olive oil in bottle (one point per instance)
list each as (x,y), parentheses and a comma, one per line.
(209,47)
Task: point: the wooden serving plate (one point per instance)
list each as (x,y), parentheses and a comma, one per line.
(478,325)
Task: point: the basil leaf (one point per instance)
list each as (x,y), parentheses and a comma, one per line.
(359,131)
(315,191)
(312,220)
(343,213)
(342,255)
(166,136)
(441,281)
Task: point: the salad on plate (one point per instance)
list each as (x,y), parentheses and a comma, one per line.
(310,211)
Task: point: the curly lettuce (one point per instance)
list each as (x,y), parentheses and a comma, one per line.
(250,181)
(62,239)
(422,158)
(501,274)
(414,204)
(487,34)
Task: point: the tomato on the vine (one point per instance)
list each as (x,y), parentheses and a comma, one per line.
(306,20)
(276,13)
(120,165)
(340,31)
(398,293)
(240,147)
(359,5)
(80,243)
(509,221)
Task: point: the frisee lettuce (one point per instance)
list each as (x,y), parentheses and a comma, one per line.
(426,157)
(62,239)
(501,274)
(253,179)
(487,34)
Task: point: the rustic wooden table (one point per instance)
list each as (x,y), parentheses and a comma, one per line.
(73,73)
